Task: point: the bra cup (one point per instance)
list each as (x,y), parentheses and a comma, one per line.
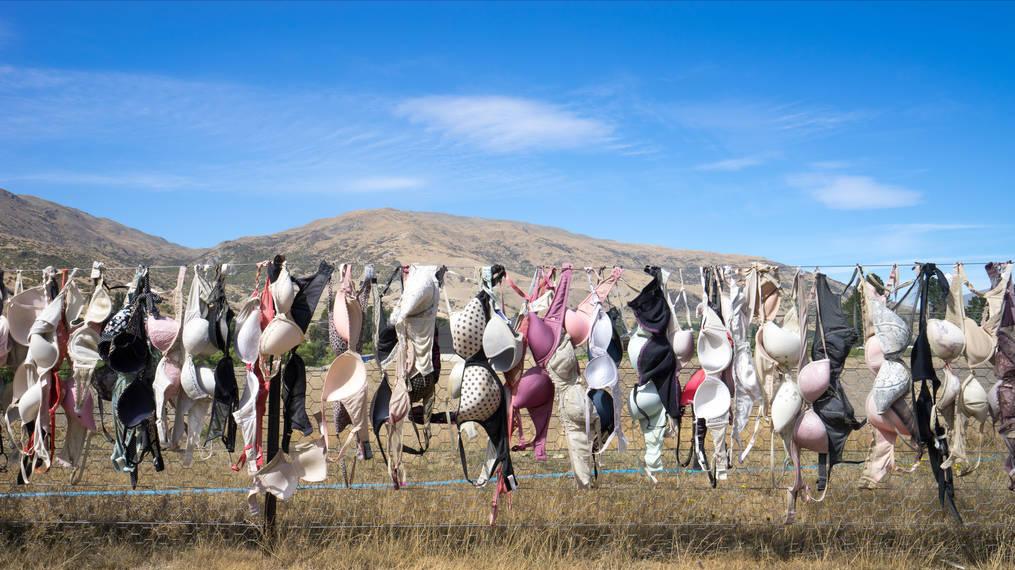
(892,382)
(467,328)
(993,403)
(481,395)
(99,307)
(283,291)
(74,303)
(162,332)
(43,352)
(814,379)
(601,335)
(781,344)
(198,382)
(887,422)
(711,399)
(248,338)
(49,318)
(602,401)
(420,295)
(656,360)
(535,389)
(771,298)
(540,337)
(873,355)
(634,348)
(167,379)
(715,352)
(347,315)
(311,461)
(83,346)
(346,377)
(601,373)
(645,404)
(196,337)
(455,378)
(30,402)
(894,339)
(341,318)
(980,344)
(683,345)
(687,394)
(246,409)
(22,311)
(949,393)
(280,336)
(946,339)
(786,405)
(502,345)
(891,330)
(578,324)
(973,399)
(809,433)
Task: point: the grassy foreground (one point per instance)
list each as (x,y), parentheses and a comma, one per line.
(546,547)
(626,522)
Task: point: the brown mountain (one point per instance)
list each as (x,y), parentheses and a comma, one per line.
(35,233)
(385,236)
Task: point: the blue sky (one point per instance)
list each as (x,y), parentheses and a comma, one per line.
(804,133)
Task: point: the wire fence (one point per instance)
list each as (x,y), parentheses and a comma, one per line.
(209,498)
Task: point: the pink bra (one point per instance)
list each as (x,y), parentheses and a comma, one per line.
(578,322)
(544,332)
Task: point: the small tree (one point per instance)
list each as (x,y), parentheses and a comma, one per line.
(975,306)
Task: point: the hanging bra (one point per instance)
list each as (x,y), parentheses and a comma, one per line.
(579,322)
(543,333)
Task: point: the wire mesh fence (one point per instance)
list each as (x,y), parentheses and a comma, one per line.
(209,498)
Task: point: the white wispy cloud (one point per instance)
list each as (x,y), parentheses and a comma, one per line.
(153,132)
(386,184)
(741,116)
(916,239)
(505,124)
(830,164)
(145,180)
(848,192)
(731,164)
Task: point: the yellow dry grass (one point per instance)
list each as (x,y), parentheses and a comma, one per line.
(625,522)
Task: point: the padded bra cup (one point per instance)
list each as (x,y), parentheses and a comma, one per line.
(650,309)
(656,360)
(540,338)
(601,335)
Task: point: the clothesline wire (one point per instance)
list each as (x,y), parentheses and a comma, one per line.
(818,266)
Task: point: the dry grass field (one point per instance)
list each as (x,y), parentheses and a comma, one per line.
(185,517)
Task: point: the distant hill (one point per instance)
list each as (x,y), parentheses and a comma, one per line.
(385,236)
(35,233)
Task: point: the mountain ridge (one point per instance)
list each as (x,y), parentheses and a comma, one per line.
(36,232)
